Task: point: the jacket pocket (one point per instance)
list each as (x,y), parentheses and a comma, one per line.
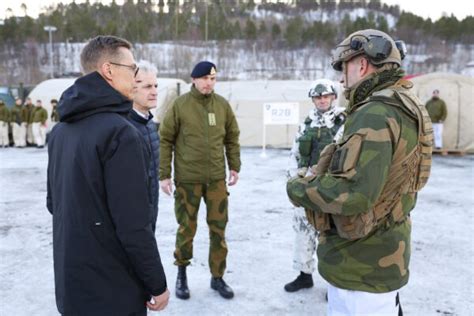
(346,156)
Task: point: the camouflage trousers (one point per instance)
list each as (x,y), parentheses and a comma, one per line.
(305,242)
(187,199)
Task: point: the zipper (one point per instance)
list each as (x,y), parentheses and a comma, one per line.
(206,126)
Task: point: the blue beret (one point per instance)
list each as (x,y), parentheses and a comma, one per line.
(203,68)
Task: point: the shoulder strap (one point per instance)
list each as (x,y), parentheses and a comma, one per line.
(400,96)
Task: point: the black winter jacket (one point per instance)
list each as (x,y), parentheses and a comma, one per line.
(106,260)
(149,131)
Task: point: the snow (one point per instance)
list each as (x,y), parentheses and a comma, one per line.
(259,237)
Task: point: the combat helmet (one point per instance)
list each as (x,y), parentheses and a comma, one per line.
(322,87)
(376,45)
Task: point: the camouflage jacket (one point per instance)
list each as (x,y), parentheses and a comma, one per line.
(317,131)
(353,184)
(201,131)
(437,110)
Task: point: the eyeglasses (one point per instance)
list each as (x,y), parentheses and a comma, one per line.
(134,67)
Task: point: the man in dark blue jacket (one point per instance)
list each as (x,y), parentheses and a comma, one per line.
(106,260)
(144,100)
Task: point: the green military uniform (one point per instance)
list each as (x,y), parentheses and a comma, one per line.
(29,109)
(54,114)
(4,113)
(360,205)
(4,120)
(18,115)
(25,112)
(40,115)
(198,128)
(437,110)
(315,138)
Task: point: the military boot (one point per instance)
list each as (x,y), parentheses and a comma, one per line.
(303,281)
(220,286)
(182,290)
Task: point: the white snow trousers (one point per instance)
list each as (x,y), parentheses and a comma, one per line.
(438,134)
(305,242)
(39,133)
(357,303)
(4,134)
(30,138)
(19,134)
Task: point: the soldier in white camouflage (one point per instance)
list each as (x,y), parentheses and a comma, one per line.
(320,127)
(366,185)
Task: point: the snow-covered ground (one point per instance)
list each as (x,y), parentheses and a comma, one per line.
(260,241)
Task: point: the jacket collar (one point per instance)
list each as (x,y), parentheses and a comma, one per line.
(370,84)
(138,118)
(205,98)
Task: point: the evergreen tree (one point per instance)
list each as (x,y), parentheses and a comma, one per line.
(294,31)
(382,24)
(250,30)
(276,31)
(262,29)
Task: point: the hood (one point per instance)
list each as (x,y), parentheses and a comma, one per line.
(89,95)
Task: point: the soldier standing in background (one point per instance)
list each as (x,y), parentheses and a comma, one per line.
(197,129)
(438,112)
(38,123)
(18,121)
(318,130)
(4,120)
(54,113)
(29,108)
(365,186)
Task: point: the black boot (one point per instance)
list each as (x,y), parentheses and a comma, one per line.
(220,286)
(303,281)
(182,290)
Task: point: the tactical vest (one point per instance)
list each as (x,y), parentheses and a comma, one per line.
(313,141)
(407,173)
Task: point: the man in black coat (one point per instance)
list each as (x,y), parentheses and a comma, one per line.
(144,100)
(106,260)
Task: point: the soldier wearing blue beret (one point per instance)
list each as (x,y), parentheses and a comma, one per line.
(201,131)
(203,68)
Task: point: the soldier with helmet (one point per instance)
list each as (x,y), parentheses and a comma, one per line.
(364,186)
(319,129)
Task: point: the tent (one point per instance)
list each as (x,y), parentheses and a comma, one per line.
(247,99)
(53,88)
(458,93)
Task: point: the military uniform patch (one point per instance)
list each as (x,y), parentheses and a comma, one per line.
(212,119)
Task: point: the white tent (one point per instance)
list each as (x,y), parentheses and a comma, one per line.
(53,88)
(247,99)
